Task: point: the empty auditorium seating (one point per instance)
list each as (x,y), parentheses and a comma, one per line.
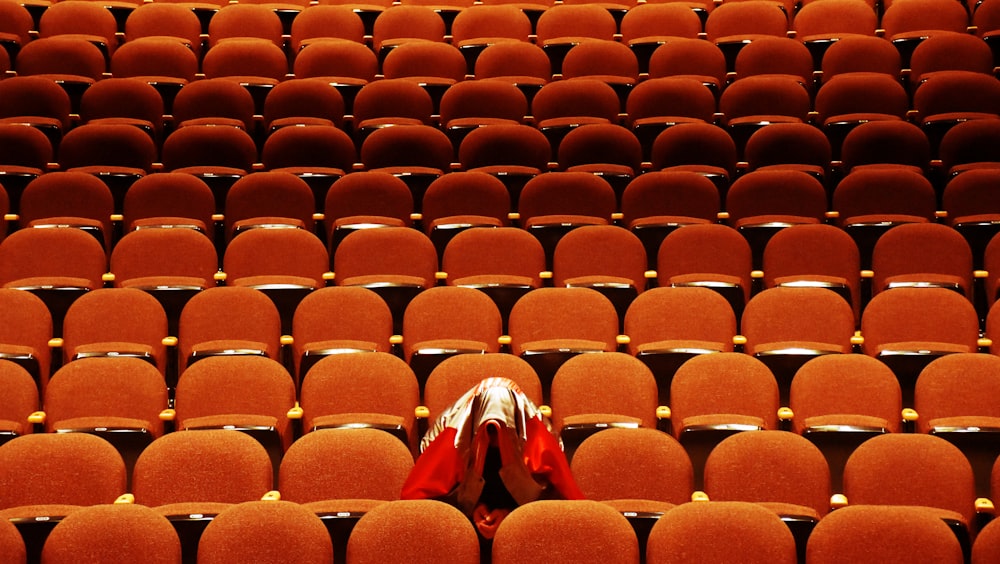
(954,400)
(371,468)
(820,255)
(339,319)
(927,322)
(346,65)
(445,321)
(434,65)
(795,146)
(124,101)
(118,399)
(609,61)
(670,215)
(227,321)
(16,29)
(906,24)
(739,23)
(657,202)
(57,264)
(968,146)
(781,471)
(776,56)
(245,21)
(823,24)
(374,390)
(684,260)
(873,199)
(165,63)
(890,533)
(20,400)
(266,531)
(701,60)
(462,200)
(552,204)
(644,29)
(716,395)
(218,155)
(165,20)
(89,21)
(949,52)
(922,255)
(786,327)
(549,325)
(607,150)
(70,199)
(513,153)
(569,530)
(303,102)
(195,475)
(720,531)
(320,155)
(985,545)
(585,400)
(841,400)
(396,262)
(606,258)
(658,103)
(362,200)
(394,27)
(25,333)
(328,22)
(703,148)
(756,101)
(475,103)
(861,53)
(123,530)
(643,473)
(520,63)
(952,97)
(667,326)
(418,154)
(400,529)
(35,101)
(561,27)
(285,264)
(941,485)
(848,99)
(169,200)
(214,102)
(116,323)
(762,202)
(49,475)
(269,200)
(116,153)
(172,264)
(477,27)
(26,153)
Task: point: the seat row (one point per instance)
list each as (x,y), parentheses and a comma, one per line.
(439,530)
(119,155)
(513,260)
(593,62)
(560,108)
(653,206)
(463,247)
(766,487)
(466,24)
(664,327)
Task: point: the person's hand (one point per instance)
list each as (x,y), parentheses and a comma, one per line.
(487,520)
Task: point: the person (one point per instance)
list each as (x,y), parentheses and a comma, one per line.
(490,452)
